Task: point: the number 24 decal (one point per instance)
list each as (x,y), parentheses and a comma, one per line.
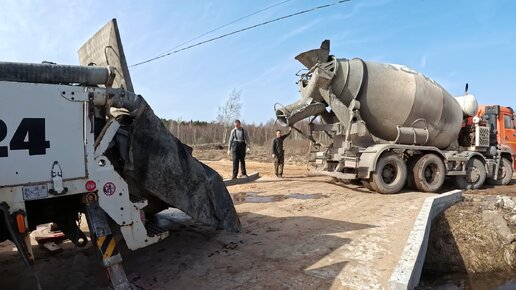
(33,129)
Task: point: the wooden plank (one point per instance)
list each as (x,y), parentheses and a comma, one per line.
(51,247)
(251,177)
(43,238)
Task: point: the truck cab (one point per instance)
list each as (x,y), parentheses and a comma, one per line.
(504,125)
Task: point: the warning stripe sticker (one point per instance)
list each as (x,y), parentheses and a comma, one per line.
(107,246)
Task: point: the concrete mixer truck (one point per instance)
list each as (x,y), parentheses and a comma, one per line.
(390,127)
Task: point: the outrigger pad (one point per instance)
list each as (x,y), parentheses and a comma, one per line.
(161,168)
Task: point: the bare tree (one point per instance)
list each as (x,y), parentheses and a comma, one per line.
(230,111)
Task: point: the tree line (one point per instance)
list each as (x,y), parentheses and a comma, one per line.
(197,132)
(200,132)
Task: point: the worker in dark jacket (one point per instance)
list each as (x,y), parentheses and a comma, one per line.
(278,153)
(239,144)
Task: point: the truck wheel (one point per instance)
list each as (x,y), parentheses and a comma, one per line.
(475,175)
(410,176)
(505,172)
(390,174)
(429,173)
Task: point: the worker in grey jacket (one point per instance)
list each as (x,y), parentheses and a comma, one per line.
(238,145)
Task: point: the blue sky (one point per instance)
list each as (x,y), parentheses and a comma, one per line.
(452,42)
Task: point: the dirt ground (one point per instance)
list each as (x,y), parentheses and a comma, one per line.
(294,155)
(509,190)
(299,232)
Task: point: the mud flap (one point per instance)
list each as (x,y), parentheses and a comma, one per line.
(22,241)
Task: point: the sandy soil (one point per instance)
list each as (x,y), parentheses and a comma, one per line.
(294,155)
(300,232)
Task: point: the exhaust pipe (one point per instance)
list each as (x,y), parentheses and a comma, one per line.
(295,112)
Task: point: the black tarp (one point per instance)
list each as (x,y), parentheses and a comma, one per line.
(159,167)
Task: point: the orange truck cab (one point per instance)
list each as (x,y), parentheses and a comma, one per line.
(501,120)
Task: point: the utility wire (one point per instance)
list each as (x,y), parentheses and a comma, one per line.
(238,31)
(227,24)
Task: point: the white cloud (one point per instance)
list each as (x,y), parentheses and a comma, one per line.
(423,60)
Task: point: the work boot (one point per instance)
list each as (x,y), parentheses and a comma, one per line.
(245,176)
(234,177)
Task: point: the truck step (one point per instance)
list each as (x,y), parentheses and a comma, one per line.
(153,229)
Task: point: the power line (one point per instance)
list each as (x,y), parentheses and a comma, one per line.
(227,24)
(238,31)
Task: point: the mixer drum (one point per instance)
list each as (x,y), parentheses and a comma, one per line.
(393,95)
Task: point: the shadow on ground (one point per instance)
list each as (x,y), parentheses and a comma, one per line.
(269,253)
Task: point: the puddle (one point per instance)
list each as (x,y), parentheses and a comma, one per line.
(255,197)
(306,196)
